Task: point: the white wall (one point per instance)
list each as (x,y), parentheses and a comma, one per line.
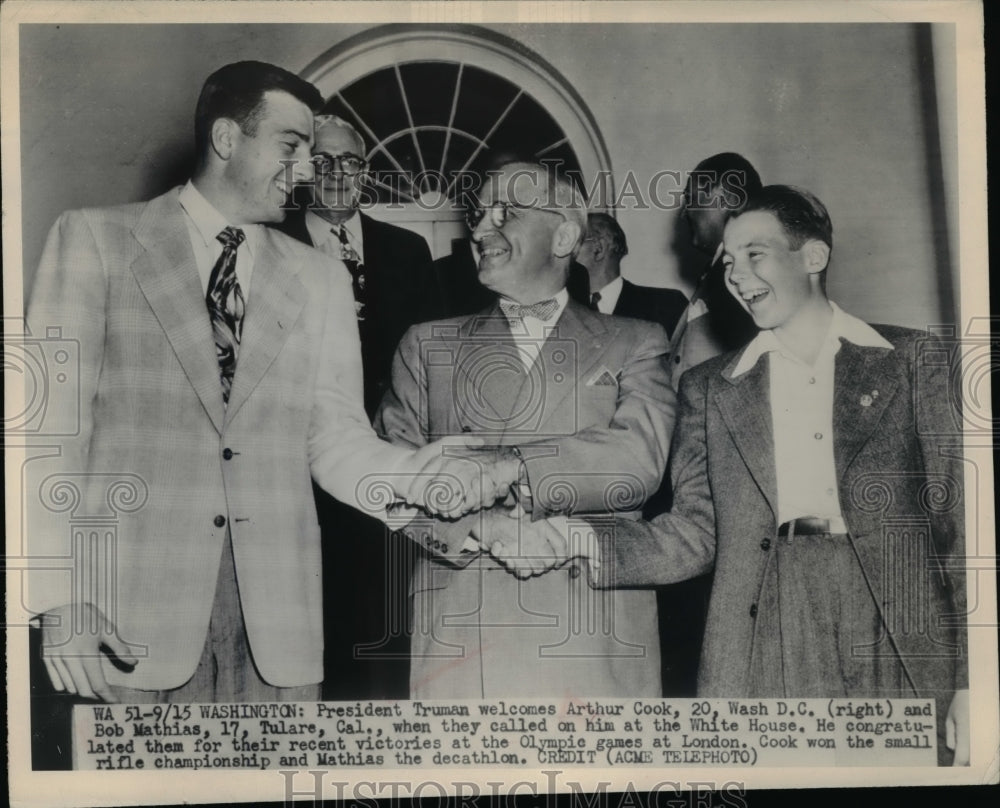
(107,117)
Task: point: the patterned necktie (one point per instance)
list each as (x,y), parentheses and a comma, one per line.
(594,300)
(226,307)
(542,310)
(353,263)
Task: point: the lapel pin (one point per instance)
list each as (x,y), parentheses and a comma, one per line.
(866,400)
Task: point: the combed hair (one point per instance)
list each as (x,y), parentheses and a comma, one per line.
(236,91)
(801,214)
(730,173)
(606,226)
(322,121)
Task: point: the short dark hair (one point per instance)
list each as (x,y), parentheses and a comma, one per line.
(728,172)
(237,90)
(605,226)
(801,214)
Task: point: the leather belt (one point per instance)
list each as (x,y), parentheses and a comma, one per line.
(811,526)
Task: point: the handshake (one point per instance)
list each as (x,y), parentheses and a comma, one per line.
(459,475)
(456,476)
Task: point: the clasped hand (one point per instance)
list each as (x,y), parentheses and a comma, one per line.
(527,547)
(457,475)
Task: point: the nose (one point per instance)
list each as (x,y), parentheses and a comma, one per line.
(484,227)
(303,170)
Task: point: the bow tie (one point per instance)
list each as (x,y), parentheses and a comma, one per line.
(542,310)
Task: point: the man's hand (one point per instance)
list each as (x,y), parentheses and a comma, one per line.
(956,727)
(529,548)
(73,658)
(453,476)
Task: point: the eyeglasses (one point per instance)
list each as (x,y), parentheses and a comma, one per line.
(347,163)
(500,213)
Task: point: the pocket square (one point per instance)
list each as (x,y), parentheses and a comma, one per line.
(603,378)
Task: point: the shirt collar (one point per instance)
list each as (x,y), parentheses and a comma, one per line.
(613,288)
(208,222)
(843,326)
(320,231)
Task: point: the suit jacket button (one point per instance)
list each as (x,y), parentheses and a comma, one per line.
(219,520)
(753,610)
(227,454)
(765,544)
(677,359)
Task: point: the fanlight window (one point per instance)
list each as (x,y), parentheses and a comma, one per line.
(428,123)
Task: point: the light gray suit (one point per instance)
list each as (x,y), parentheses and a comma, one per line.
(592,421)
(122,284)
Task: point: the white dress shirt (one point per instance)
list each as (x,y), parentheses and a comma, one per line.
(609,295)
(802,417)
(326,236)
(529,332)
(204,224)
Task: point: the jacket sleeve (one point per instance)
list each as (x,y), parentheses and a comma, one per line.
(939,432)
(402,418)
(66,312)
(618,466)
(680,544)
(347,459)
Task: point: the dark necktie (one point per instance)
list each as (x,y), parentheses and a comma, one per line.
(225,307)
(595,298)
(353,263)
(542,310)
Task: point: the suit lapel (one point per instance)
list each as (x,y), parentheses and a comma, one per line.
(583,332)
(274,305)
(489,373)
(745,404)
(865,382)
(168,277)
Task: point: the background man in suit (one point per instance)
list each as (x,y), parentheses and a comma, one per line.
(580,409)
(219,365)
(601,253)
(681,606)
(818,440)
(364,570)
(713,322)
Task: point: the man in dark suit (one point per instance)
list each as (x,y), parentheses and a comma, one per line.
(366,655)
(601,253)
(801,470)
(713,322)
(681,606)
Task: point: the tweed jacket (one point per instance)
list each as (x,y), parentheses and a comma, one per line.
(592,422)
(897,450)
(157,455)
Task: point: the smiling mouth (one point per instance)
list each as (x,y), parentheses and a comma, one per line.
(753,296)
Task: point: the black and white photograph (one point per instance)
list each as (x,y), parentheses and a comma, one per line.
(435,396)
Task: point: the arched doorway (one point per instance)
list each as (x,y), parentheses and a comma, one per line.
(437,103)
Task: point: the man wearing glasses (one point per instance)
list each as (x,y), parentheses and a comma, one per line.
(577,410)
(391,279)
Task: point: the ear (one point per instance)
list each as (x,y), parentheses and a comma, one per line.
(565,239)
(223,137)
(817,255)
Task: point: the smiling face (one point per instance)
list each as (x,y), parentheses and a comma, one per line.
(336,190)
(771,281)
(257,180)
(523,259)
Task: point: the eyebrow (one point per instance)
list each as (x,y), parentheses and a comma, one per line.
(296,133)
